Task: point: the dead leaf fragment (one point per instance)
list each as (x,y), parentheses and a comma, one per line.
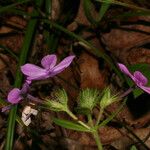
(90,75)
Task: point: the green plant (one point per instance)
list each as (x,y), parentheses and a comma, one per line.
(88,99)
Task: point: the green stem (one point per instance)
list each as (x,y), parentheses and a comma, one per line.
(90,120)
(51,38)
(23,56)
(127,92)
(99,116)
(97,140)
(95,133)
(76,119)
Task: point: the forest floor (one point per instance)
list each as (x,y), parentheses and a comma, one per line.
(124,39)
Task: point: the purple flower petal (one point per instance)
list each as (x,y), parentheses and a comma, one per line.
(5,108)
(146,89)
(14,96)
(140,78)
(62,65)
(49,61)
(33,72)
(125,70)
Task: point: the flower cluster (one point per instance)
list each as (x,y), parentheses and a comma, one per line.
(33,72)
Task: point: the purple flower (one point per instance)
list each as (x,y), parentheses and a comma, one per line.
(48,69)
(16,95)
(139,79)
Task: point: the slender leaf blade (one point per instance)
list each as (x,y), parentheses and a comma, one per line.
(70,125)
(103,9)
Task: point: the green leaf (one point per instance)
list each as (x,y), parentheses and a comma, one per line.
(87,5)
(145,69)
(103,9)
(133,147)
(70,125)
(106,121)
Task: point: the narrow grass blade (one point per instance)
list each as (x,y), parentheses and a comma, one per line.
(48,7)
(23,56)
(19,12)
(103,9)
(87,5)
(133,14)
(6,8)
(124,5)
(9,51)
(68,12)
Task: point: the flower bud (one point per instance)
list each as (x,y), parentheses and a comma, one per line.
(88,98)
(55,106)
(107,98)
(58,101)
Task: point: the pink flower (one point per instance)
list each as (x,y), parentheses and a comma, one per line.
(16,95)
(138,78)
(48,69)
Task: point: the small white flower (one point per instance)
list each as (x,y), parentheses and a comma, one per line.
(26,113)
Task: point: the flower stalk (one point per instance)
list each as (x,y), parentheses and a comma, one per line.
(77,120)
(126,93)
(97,140)
(95,132)
(99,117)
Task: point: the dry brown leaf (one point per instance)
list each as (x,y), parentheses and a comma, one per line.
(126,116)
(90,75)
(15,21)
(13,42)
(120,42)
